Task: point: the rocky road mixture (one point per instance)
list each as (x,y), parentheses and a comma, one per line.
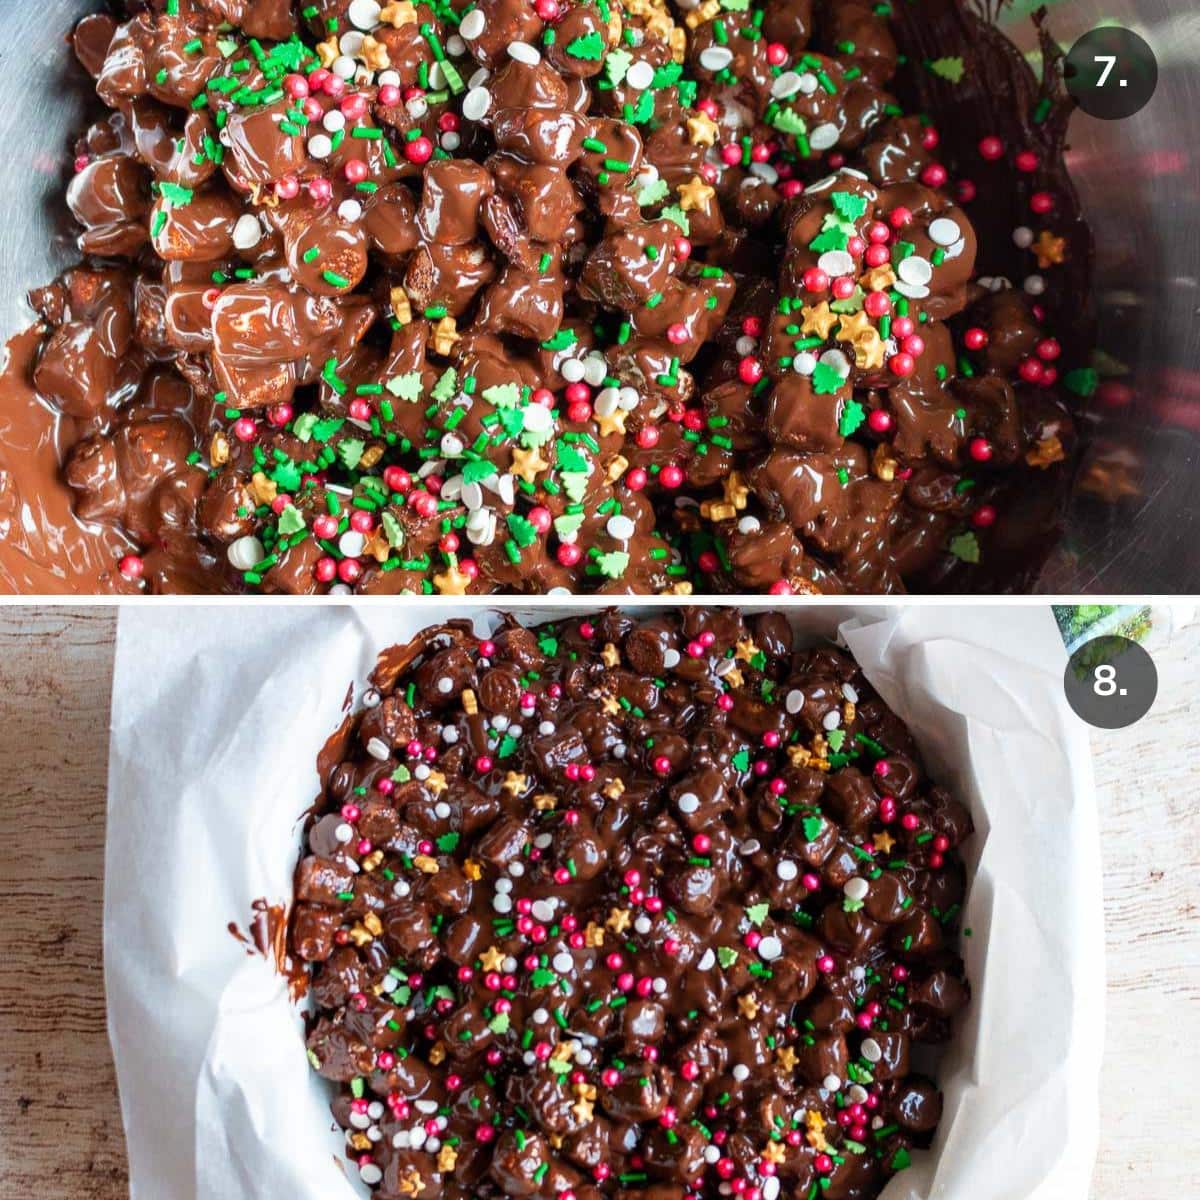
(606,907)
(536,296)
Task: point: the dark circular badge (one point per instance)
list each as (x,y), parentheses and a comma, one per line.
(1110,682)
(1111,72)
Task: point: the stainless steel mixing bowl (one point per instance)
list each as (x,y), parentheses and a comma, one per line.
(1133,524)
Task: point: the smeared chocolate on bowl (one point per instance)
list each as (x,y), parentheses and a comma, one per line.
(515,296)
(617,907)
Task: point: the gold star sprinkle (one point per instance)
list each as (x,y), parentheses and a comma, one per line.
(492,959)
(702,130)
(262,490)
(745,650)
(426,865)
(545,802)
(473,870)
(884,842)
(694,194)
(613,422)
(868,351)
(583,1110)
(515,783)
(774,1152)
(610,705)
(818,319)
(618,920)
(447,1157)
(396,15)
(1050,250)
(879,279)
(785,1056)
(593,935)
(328,51)
(452,582)
(528,464)
(815,1124)
(748,1006)
(614,789)
(435,781)
(375,54)
(736,492)
(851,328)
(445,334)
(610,656)
(412,1184)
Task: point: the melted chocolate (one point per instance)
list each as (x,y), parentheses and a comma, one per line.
(617,298)
(626,909)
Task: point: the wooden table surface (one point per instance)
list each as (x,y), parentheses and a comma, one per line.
(60,1124)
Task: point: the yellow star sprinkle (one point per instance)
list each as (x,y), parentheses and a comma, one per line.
(618,920)
(492,959)
(452,582)
(702,130)
(818,319)
(396,15)
(786,1057)
(1050,250)
(328,51)
(774,1152)
(694,194)
(613,422)
(528,464)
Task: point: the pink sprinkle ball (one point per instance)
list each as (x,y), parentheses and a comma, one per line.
(910,822)
(811,882)
(132,567)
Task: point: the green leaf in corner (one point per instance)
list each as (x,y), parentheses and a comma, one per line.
(950,68)
(448,842)
(825,380)
(812,828)
(965,546)
(741,760)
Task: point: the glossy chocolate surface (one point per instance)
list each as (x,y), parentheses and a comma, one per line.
(629,908)
(522,297)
